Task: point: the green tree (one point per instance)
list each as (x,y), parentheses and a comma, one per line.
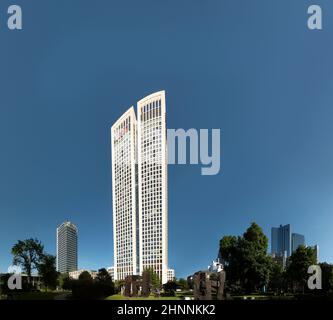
(246,261)
(155,280)
(64,281)
(170,288)
(28,254)
(228,245)
(256,237)
(85,276)
(297,268)
(47,270)
(277,278)
(104,283)
(3,284)
(103,275)
(182,283)
(119,284)
(327,279)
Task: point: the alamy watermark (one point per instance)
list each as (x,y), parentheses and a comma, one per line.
(14,281)
(192,147)
(198,149)
(315,20)
(315,280)
(14,18)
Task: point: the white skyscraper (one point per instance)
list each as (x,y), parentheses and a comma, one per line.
(139,189)
(67,247)
(124,195)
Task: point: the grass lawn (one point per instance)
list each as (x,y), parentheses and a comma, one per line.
(35,295)
(120,297)
(262,297)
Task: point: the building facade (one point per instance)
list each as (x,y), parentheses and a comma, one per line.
(75,275)
(171,275)
(125,195)
(153,200)
(139,189)
(281,240)
(67,247)
(296,241)
(111,272)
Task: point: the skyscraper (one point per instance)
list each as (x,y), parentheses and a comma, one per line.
(281,240)
(316,251)
(125,196)
(67,235)
(296,241)
(139,189)
(153,200)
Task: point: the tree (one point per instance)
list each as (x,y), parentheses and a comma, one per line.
(103,275)
(297,268)
(65,282)
(104,283)
(3,283)
(47,270)
(257,238)
(232,260)
(182,283)
(28,254)
(119,284)
(327,279)
(170,288)
(85,276)
(155,280)
(228,246)
(245,259)
(277,278)
(87,288)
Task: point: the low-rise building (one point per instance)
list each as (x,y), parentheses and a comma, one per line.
(171,275)
(76,274)
(111,272)
(281,259)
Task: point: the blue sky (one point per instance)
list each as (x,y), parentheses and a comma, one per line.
(250,68)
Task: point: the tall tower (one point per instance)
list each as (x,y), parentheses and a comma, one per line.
(297,240)
(281,240)
(139,189)
(124,195)
(153,184)
(67,239)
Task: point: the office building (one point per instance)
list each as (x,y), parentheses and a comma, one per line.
(125,195)
(281,259)
(75,275)
(67,243)
(111,272)
(316,250)
(296,241)
(171,275)
(139,189)
(281,240)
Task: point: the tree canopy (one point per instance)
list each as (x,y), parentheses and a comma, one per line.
(47,270)
(28,254)
(298,264)
(245,259)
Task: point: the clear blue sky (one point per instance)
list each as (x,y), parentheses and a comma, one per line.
(251,68)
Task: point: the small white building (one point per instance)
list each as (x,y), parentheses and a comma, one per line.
(170,275)
(111,272)
(216,266)
(76,274)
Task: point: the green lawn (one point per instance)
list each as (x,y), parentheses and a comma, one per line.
(35,295)
(262,297)
(120,297)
